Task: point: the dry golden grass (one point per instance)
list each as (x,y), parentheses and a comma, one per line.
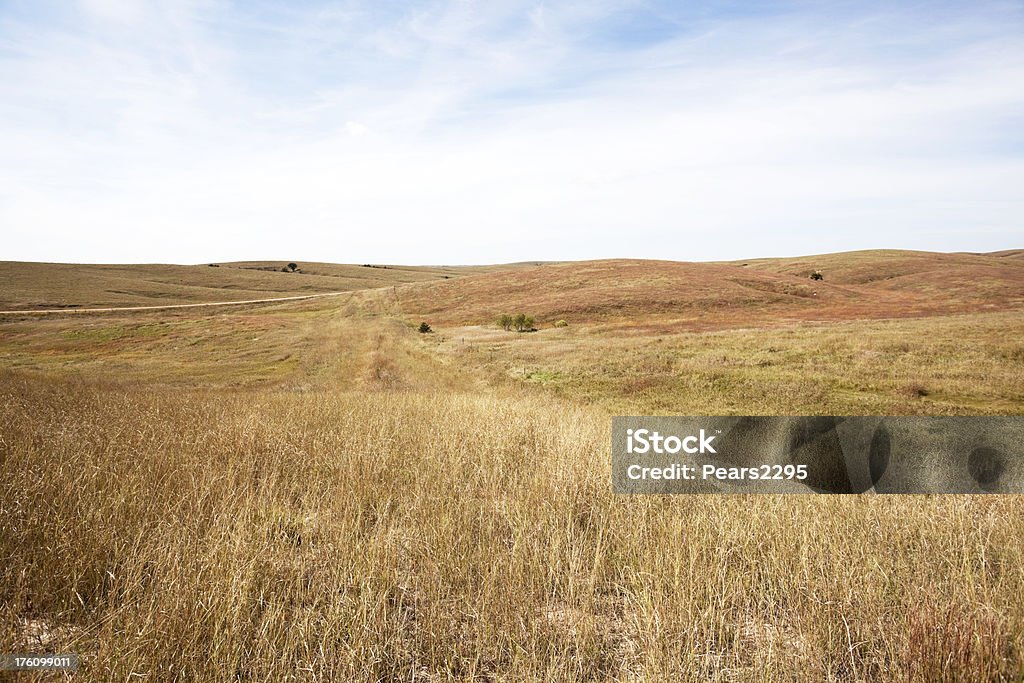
(969,364)
(860,267)
(28,286)
(393,535)
(315,491)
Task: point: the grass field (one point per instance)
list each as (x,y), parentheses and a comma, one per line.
(313,490)
(27,286)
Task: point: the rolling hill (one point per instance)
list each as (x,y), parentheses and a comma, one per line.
(25,286)
(623,293)
(857,285)
(315,486)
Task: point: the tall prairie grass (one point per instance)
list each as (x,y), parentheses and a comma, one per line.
(385,535)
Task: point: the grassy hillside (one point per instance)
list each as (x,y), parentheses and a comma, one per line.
(966,364)
(967,280)
(59,285)
(1009,253)
(699,296)
(314,490)
(862,267)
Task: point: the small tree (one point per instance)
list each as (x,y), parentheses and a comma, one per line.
(292,267)
(816,275)
(425,328)
(522,322)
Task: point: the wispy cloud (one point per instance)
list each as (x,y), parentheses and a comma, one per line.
(479,132)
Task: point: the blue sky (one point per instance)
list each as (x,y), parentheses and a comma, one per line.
(480,132)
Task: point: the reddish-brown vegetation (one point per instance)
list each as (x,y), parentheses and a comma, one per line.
(701,296)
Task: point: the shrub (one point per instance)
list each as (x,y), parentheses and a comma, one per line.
(520,322)
(816,275)
(561,323)
(425,328)
(524,323)
(292,267)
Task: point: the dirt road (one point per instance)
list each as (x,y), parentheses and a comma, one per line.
(168,306)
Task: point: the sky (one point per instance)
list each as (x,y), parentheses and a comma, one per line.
(470,131)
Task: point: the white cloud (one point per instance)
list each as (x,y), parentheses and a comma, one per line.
(485,132)
(355,129)
(121,11)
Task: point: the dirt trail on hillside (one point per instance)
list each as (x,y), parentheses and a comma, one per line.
(115,309)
